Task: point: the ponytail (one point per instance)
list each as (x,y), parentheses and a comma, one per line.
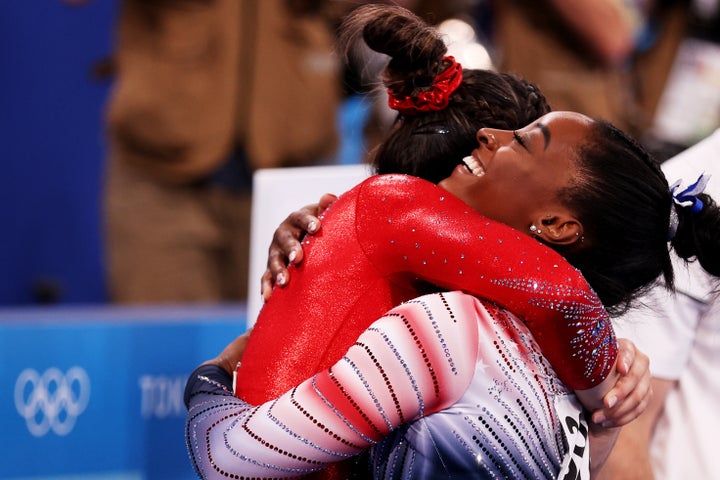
(698,235)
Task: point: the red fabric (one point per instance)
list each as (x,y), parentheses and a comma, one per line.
(389,240)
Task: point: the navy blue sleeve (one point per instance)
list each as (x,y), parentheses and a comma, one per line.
(220,383)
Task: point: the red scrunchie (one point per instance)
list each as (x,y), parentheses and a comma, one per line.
(436,99)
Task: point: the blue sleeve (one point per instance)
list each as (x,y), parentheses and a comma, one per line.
(207,380)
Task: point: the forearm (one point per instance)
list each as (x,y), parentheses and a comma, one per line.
(592,398)
(603,25)
(602,441)
(630,459)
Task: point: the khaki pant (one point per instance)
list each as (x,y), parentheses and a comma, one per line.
(174,244)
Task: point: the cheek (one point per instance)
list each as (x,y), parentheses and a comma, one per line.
(512,198)
(475,193)
(531,182)
(494,201)
(512,183)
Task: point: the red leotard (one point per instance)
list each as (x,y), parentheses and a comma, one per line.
(394,237)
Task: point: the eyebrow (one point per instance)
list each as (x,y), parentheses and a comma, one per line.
(546,133)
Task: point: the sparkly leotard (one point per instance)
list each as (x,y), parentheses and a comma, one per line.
(394,237)
(443,386)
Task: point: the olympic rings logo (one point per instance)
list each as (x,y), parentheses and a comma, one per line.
(53,400)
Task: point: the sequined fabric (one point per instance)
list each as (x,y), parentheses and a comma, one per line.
(444,385)
(394,237)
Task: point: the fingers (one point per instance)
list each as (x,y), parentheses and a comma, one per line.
(624,412)
(626,355)
(266,285)
(306,219)
(626,365)
(287,237)
(286,248)
(632,392)
(325,201)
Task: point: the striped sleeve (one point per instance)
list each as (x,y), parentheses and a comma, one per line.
(416,360)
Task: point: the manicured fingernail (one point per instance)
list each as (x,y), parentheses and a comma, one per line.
(312,226)
(280,279)
(612,401)
(598,418)
(292,256)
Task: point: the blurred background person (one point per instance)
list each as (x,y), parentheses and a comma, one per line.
(649,66)
(688,109)
(584,54)
(205,93)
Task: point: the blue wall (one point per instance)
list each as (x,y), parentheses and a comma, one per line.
(97,394)
(51,150)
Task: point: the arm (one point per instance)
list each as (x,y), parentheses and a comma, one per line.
(665,327)
(630,459)
(387,378)
(606,27)
(628,399)
(413,229)
(602,441)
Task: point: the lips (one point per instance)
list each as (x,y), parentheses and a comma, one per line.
(475,167)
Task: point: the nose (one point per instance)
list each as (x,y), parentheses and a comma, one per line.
(486,137)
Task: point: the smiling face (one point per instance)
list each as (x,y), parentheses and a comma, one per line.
(515,177)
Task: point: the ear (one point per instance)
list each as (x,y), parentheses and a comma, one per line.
(560,228)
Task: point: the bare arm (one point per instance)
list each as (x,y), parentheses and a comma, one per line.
(630,460)
(602,25)
(624,402)
(602,441)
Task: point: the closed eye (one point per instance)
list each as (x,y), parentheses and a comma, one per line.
(519,139)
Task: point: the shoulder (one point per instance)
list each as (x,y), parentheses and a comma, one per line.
(397,183)
(407,192)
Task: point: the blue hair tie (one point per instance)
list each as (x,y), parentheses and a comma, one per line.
(697,206)
(687,198)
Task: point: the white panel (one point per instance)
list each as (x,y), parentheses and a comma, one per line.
(276,193)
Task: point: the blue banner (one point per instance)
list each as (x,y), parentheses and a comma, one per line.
(98,394)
